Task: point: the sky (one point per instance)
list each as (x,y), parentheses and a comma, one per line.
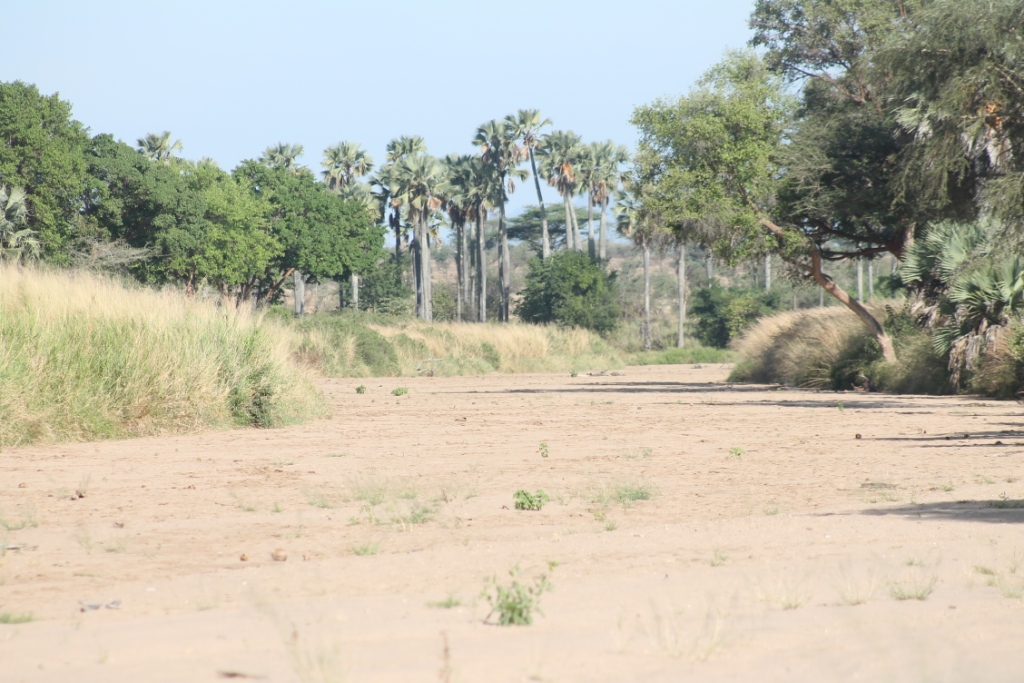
(230,78)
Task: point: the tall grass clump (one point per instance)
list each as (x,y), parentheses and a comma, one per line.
(830,348)
(362,345)
(85,357)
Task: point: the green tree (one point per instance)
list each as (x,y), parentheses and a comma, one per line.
(716,156)
(525,126)
(43,152)
(499,148)
(639,224)
(418,181)
(283,155)
(344,164)
(569,289)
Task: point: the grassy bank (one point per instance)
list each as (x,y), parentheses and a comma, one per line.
(830,348)
(84,357)
(362,345)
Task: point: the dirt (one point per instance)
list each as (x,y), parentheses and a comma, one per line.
(774,544)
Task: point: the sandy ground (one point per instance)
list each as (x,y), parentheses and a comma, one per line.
(774,545)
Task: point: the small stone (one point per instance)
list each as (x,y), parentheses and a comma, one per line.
(279,555)
(244,558)
(857,436)
(22,485)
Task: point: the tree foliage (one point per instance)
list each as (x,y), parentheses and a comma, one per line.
(570,289)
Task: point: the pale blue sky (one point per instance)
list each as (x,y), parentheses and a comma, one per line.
(230,78)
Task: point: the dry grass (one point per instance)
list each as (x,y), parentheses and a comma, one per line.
(84,357)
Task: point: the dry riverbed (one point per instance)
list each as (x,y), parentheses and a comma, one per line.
(695,531)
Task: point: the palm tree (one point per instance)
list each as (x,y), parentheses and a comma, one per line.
(525,124)
(607,178)
(159,147)
(385,179)
(16,241)
(418,184)
(500,150)
(561,154)
(634,222)
(283,156)
(344,163)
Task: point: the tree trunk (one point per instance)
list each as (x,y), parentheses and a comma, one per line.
(860,278)
(545,242)
(591,241)
(767,272)
(504,264)
(647,296)
(577,238)
(567,203)
(341,295)
(830,286)
(397,221)
(481,265)
(417,267)
(707,267)
(460,270)
(471,279)
(300,292)
(821,298)
(355,291)
(602,248)
(425,267)
(871,280)
(681,278)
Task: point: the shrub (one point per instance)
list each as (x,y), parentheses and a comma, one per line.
(524,500)
(383,291)
(569,289)
(722,314)
(515,603)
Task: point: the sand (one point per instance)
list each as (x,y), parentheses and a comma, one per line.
(774,545)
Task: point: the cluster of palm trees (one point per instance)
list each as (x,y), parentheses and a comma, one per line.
(412,190)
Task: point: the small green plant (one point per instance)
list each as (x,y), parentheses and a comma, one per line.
(516,603)
(718,558)
(633,454)
(12,618)
(448,603)
(840,406)
(400,391)
(320,500)
(524,500)
(361,389)
(544,449)
(277,507)
(917,589)
(737,452)
(631,492)
(366,549)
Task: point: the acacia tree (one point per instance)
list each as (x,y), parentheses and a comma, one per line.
(715,155)
(500,150)
(526,124)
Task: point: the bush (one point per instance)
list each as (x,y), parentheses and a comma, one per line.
(569,289)
(83,357)
(383,291)
(722,314)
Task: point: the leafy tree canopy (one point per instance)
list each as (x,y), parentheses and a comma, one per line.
(570,289)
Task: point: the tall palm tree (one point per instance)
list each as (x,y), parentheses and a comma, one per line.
(344,163)
(283,155)
(526,124)
(418,185)
(561,153)
(634,222)
(397,149)
(159,147)
(499,149)
(16,241)
(607,178)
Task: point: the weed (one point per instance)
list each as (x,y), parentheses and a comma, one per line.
(320,500)
(772,510)
(516,603)
(27,518)
(718,558)
(361,389)
(638,453)
(544,449)
(418,514)
(366,549)
(84,538)
(524,500)
(918,588)
(840,406)
(12,618)
(630,492)
(857,589)
(611,526)
(788,592)
(737,452)
(372,490)
(448,603)
(400,391)
(277,507)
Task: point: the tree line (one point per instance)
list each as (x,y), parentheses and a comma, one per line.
(70,198)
